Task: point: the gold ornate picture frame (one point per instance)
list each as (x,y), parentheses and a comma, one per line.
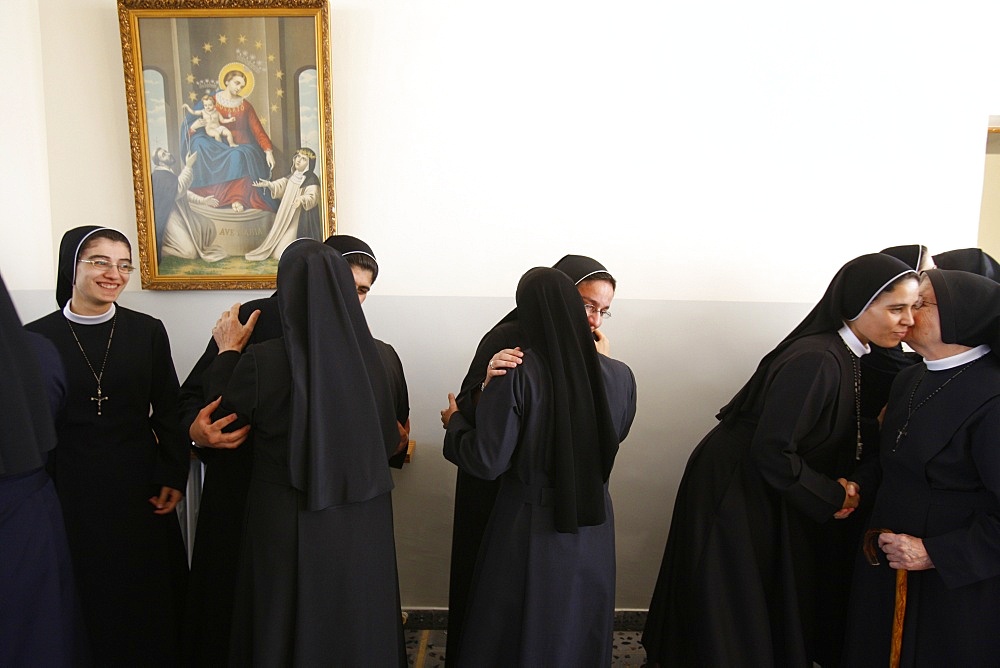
(231,129)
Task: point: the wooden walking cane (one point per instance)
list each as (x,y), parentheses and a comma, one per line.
(870,548)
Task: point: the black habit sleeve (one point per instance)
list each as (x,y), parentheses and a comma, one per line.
(971,553)
(234,376)
(504,335)
(794,402)
(485,450)
(397,387)
(172,449)
(193,392)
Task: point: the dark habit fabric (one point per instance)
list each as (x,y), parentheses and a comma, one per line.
(973,260)
(880,366)
(209,609)
(753,520)
(69,248)
(752,525)
(968,306)
(39,616)
(128,560)
(317,300)
(543,595)
(345,244)
(850,292)
(397,389)
(227,479)
(878,370)
(555,324)
(28,433)
(911,254)
(312,584)
(474,497)
(941,483)
(540,597)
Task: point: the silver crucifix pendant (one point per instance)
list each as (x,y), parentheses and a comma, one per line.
(99,399)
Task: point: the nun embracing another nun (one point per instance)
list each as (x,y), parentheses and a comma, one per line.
(757,565)
(936,518)
(317,581)
(543,591)
(763,564)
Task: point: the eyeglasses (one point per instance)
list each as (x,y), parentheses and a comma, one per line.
(104,265)
(591,310)
(922,303)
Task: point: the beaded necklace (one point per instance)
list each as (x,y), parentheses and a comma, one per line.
(857,400)
(911,409)
(100,398)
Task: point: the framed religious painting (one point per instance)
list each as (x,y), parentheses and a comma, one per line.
(231,129)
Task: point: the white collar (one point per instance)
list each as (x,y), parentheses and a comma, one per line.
(853,342)
(89,319)
(297,177)
(957,360)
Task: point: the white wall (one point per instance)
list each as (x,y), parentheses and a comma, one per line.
(717,156)
(26,259)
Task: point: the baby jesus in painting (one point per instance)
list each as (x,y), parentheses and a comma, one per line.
(211,120)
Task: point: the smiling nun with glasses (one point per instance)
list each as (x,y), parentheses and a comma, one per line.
(121,459)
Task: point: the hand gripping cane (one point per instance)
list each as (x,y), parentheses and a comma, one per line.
(870,547)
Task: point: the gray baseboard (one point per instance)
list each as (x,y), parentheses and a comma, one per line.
(437,619)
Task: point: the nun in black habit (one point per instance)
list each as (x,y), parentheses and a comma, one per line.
(543,590)
(916,256)
(228,458)
(474,497)
(880,366)
(121,463)
(940,492)
(317,582)
(39,617)
(973,260)
(758,559)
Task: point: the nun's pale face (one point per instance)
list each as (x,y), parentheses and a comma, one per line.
(362,281)
(888,319)
(95,289)
(597,294)
(926,330)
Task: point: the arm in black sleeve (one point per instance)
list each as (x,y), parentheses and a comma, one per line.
(234,376)
(795,400)
(173,453)
(505,335)
(400,395)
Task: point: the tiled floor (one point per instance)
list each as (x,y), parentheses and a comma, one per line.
(425,649)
